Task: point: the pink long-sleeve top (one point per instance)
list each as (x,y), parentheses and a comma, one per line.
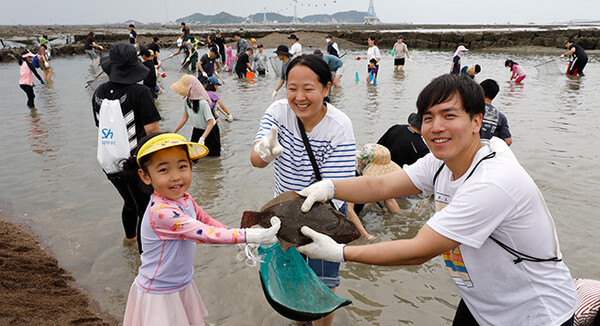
(170,230)
(518,71)
(27,71)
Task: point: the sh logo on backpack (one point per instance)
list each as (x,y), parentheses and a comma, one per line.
(113,141)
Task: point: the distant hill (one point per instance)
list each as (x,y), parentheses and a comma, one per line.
(352,17)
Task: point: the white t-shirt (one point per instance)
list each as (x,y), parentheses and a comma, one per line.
(296,49)
(501,200)
(332,142)
(373,53)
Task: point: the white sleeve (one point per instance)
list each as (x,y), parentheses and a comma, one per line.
(335,46)
(377,53)
(422,172)
(476,210)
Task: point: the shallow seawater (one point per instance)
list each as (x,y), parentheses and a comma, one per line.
(51,180)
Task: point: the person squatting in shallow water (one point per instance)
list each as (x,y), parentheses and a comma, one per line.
(124,71)
(579,61)
(306,116)
(491,224)
(27,72)
(164,292)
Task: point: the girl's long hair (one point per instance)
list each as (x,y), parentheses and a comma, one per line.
(510,63)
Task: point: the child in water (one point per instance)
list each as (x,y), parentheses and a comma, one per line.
(27,71)
(373,72)
(229,59)
(164,292)
(517,71)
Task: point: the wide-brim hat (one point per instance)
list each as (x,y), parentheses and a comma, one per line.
(375,159)
(415,121)
(284,50)
(182,86)
(162,141)
(43,40)
(122,64)
(28,54)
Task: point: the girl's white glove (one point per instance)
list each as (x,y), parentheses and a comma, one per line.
(319,191)
(322,247)
(268,147)
(266,236)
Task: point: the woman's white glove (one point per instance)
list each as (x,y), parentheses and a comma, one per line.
(268,147)
(274,94)
(320,191)
(266,236)
(322,247)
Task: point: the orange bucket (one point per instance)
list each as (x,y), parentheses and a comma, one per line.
(249,74)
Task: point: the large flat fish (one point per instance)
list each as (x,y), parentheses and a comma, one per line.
(322,218)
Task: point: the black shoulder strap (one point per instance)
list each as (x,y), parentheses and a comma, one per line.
(311,155)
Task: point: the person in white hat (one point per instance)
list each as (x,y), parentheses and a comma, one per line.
(455,68)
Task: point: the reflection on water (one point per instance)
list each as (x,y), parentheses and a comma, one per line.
(69,202)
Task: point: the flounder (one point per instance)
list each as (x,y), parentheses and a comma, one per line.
(322,218)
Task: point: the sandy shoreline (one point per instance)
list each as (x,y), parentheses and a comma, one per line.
(35,290)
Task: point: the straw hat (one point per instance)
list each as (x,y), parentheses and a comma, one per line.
(181,87)
(375,159)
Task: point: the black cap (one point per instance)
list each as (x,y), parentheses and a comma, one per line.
(415,121)
(294,37)
(329,36)
(259,45)
(318,52)
(283,49)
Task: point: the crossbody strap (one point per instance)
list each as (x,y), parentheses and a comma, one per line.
(311,155)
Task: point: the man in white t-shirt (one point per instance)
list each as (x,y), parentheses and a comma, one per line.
(296,47)
(491,224)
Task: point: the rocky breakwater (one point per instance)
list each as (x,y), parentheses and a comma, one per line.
(589,39)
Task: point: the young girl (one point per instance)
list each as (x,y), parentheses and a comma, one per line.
(211,89)
(27,72)
(229,59)
(373,72)
(197,107)
(517,71)
(164,292)
(328,131)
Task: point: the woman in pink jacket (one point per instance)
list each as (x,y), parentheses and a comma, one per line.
(27,72)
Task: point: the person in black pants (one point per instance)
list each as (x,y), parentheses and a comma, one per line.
(579,61)
(220,41)
(27,72)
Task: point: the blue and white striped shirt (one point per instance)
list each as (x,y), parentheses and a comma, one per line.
(332,142)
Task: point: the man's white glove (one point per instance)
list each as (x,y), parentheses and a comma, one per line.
(171,55)
(101,48)
(230,117)
(204,74)
(266,236)
(319,191)
(322,247)
(186,60)
(562,55)
(268,147)
(201,141)
(274,94)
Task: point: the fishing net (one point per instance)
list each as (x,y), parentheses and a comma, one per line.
(548,68)
(292,288)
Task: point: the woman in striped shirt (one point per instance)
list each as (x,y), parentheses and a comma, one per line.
(330,135)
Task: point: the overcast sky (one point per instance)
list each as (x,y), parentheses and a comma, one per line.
(389,11)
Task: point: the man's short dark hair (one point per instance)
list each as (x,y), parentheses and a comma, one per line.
(490,88)
(182,24)
(237,34)
(131,25)
(477,68)
(145,52)
(250,49)
(155,39)
(444,87)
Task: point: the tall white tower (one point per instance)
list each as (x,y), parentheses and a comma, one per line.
(371,17)
(295,20)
